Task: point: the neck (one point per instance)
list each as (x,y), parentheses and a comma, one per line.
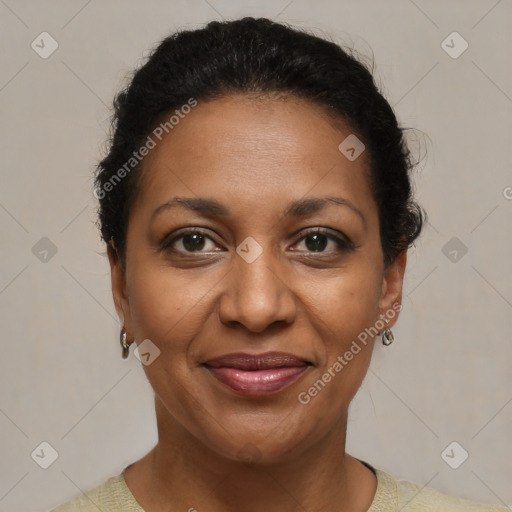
(183,472)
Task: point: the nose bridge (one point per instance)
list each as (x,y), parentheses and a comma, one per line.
(257,295)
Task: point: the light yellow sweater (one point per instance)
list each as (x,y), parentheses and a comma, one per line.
(391,496)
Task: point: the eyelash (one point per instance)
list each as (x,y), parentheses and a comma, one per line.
(343,244)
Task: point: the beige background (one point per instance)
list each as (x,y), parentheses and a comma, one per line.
(448,375)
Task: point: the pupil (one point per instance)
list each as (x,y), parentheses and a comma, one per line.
(197,241)
(316,245)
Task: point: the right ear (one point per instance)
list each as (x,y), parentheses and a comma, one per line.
(118,281)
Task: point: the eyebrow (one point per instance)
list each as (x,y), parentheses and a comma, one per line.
(298,208)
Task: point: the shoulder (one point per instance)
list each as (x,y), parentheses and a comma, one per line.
(112,495)
(413,497)
(394,495)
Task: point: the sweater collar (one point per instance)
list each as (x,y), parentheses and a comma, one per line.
(385,499)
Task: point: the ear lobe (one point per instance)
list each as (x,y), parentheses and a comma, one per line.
(392,284)
(118,281)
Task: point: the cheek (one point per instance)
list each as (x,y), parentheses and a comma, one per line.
(345,310)
(347,303)
(169,307)
(164,304)
(345,315)
(153,306)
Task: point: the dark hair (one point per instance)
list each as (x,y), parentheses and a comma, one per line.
(258,56)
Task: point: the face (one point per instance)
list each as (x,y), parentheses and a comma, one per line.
(258,269)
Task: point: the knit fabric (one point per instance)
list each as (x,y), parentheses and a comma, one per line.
(392,495)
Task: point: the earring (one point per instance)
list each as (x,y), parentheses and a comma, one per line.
(124,344)
(387,337)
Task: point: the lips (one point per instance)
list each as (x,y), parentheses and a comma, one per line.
(250,362)
(257,374)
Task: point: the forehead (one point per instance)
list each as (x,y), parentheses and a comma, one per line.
(253,151)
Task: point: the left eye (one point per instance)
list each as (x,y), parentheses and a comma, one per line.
(319,240)
(315,241)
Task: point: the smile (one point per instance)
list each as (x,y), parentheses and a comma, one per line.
(257,374)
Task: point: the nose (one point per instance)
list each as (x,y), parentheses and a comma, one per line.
(256,295)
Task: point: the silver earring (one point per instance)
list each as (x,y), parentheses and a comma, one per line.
(124,344)
(387,337)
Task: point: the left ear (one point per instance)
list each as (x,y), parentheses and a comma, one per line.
(392,287)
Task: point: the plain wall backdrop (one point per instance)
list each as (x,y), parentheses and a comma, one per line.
(448,375)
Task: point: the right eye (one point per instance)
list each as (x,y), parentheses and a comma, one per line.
(191,241)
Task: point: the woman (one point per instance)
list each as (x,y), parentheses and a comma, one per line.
(257,210)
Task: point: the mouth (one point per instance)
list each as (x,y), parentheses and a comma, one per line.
(257,374)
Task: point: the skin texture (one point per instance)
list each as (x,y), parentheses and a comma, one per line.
(255,156)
